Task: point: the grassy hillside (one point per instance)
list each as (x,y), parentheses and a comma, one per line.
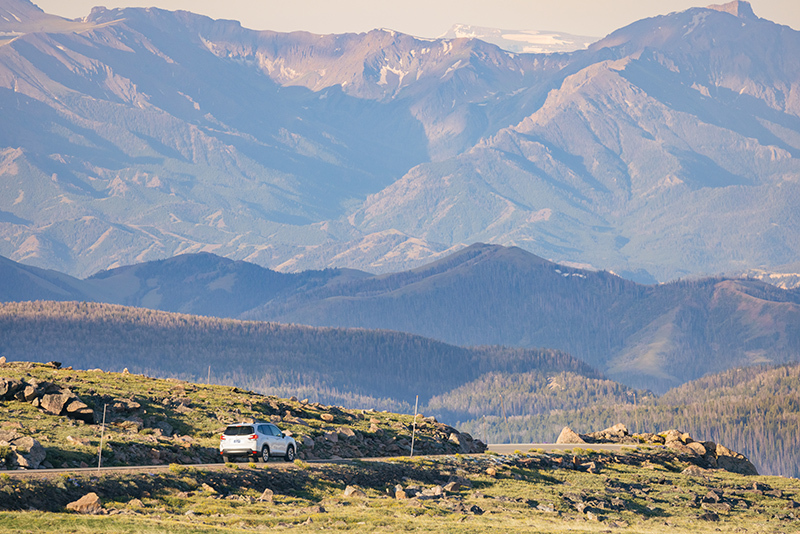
(637,491)
(160,421)
(356,367)
(153,421)
(753,410)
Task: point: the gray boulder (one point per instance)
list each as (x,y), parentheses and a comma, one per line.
(29,453)
(54,403)
(569,436)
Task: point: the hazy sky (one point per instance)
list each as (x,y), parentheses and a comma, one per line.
(430,18)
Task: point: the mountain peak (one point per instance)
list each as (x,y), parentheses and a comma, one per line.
(18,12)
(737,8)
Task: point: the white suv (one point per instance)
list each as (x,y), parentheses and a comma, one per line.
(256,440)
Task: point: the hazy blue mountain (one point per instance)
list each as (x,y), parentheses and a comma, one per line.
(645,336)
(20,282)
(651,337)
(198,284)
(205,284)
(666,149)
(672,151)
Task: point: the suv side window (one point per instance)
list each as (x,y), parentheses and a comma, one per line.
(274,431)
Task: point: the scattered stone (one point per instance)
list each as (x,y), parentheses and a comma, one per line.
(352,491)
(547,508)
(708,516)
(345,432)
(54,403)
(165,428)
(328,418)
(698,448)
(208,488)
(696,471)
(491,471)
(28,453)
(475,509)
(734,462)
(452,487)
(88,504)
(267,496)
(718,507)
(435,491)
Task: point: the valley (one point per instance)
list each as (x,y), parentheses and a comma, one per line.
(408,254)
(495,394)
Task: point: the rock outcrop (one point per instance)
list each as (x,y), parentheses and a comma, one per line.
(46,396)
(24,451)
(705,455)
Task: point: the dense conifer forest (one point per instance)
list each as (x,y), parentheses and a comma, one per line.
(753,410)
(495,393)
(346,366)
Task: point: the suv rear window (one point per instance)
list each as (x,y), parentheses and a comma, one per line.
(238,430)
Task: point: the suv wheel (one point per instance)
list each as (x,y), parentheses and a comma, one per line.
(289,454)
(264,454)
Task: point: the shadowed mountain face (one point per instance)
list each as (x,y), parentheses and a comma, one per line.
(653,337)
(668,148)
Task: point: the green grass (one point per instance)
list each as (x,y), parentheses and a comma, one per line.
(309,498)
(197,411)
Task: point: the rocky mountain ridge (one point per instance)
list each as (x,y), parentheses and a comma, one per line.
(668,148)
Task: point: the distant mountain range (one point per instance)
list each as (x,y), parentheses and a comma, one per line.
(668,148)
(653,337)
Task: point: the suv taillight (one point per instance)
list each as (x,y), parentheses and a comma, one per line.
(254,436)
(222,437)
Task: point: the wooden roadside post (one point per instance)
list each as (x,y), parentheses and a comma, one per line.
(414,425)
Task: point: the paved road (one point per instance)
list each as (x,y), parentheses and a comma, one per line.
(525,447)
(498,448)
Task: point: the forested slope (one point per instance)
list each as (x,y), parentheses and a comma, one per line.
(753,410)
(653,337)
(353,367)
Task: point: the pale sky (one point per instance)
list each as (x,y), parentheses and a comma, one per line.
(430,18)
